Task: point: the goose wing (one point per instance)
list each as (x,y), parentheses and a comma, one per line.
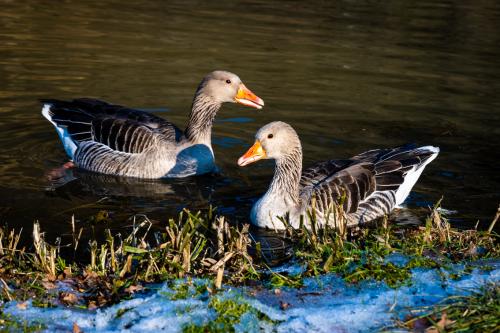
(317,173)
(355,182)
(119,128)
(369,182)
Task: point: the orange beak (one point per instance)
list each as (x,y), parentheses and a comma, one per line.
(255,153)
(246,97)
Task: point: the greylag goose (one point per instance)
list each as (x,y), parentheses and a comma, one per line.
(369,185)
(113,139)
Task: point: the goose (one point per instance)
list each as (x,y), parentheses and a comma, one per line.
(112,139)
(370,184)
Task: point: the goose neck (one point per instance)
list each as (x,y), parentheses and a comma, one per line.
(201,118)
(287,175)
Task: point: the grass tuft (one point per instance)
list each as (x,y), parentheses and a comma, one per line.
(477,312)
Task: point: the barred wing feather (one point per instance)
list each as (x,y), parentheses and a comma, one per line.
(121,129)
(373,183)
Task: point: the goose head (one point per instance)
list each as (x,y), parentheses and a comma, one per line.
(226,87)
(276,140)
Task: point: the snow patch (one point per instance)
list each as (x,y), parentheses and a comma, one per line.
(325,304)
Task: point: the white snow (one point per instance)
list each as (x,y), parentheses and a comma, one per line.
(324,304)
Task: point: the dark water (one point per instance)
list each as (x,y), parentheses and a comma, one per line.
(348,75)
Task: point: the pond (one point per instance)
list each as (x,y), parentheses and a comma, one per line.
(348,75)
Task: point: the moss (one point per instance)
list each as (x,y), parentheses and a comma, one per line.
(391,274)
(180,291)
(422,262)
(284,280)
(228,314)
(122,311)
(183,289)
(228,311)
(10,323)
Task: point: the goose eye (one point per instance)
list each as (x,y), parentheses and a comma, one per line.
(270,136)
(228,81)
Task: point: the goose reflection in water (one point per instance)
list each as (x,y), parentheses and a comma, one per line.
(196,191)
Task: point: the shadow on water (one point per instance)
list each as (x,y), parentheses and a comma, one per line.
(274,249)
(151,195)
(81,182)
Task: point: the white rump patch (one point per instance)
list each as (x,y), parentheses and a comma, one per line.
(67,141)
(413,175)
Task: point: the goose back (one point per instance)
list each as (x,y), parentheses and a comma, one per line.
(368,185)
(91,119)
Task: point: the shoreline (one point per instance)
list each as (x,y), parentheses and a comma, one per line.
(206,246)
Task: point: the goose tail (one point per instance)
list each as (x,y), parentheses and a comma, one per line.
(69,144)
(426,155)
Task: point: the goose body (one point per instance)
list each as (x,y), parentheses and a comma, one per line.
(369,185)
(113,139)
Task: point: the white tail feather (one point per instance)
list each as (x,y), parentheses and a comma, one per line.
(67,141)
(413,175)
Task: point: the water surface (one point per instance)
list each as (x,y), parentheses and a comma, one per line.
(348,75)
